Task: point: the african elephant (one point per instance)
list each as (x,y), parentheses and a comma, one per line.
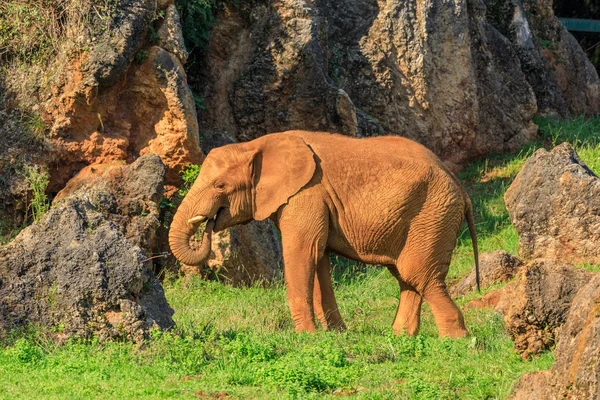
(384,200)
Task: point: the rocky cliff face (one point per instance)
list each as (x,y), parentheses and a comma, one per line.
(462,77)
(124,95)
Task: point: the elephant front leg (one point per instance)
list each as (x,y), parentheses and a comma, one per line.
(303,243)
(299,272)
(324,299)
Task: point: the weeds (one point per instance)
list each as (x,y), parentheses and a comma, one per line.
(37,179)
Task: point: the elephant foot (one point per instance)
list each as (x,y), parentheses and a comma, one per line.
(339,326)
(456,333)
(406,330)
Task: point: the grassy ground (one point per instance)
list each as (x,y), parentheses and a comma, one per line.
(240,341)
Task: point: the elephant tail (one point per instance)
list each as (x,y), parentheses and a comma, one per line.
(471,224)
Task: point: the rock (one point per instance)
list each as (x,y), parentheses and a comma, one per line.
(74,273)
(553,202)
(533,385)
(171,36)
(463,77)
(119,100)
(550,56)
(576,370)
(494,267)
(129,195)
(246,254)
(538,303)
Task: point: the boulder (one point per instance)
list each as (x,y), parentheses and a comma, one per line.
(538,302)
(131,196)
(76,275)
(494,267)
(247,254)
(553,203)
(364,68)
(576,370)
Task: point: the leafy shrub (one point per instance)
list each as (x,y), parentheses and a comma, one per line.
(197,18)
(189,175)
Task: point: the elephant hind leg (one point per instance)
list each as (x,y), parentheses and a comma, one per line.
(408,315)
(424,279)
(448,317)
(325,304)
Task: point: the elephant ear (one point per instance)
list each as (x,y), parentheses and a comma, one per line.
(282,165)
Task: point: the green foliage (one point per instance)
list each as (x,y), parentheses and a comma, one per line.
(199,102)
(141,56)
(197,19)
(37,179)
(189,175)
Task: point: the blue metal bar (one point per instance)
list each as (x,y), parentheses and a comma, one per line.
(581,25)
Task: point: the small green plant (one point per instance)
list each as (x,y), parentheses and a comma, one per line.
(141,56)
(35,124)
(199,102)
(189,175)
(154,36)
(37,179)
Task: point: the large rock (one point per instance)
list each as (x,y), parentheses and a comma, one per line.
(121,97)
(131,195)
(576,370)
(77,275)
(538,302)
(557,68)
(247,254)
(553,202)
(461,77)
(497,266)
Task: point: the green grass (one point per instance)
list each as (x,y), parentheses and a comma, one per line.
(241,340)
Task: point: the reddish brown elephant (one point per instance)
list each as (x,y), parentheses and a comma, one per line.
(383,200)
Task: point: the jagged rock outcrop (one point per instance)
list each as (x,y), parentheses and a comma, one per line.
(131,195)
(462,77)
(537,303)
(556,67)
(576,371)
(553,202)
(76,274)
(497,266)
(124,96)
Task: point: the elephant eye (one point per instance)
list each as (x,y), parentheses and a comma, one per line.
(220,185)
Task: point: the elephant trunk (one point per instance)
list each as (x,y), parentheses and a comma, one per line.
(180,234)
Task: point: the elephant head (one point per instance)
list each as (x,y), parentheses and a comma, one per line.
(239,183)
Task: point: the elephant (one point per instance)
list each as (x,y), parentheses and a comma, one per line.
(382,200)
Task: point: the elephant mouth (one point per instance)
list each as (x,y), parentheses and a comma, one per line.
(217,219)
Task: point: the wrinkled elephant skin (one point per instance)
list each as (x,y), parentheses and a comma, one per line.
(384,200)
